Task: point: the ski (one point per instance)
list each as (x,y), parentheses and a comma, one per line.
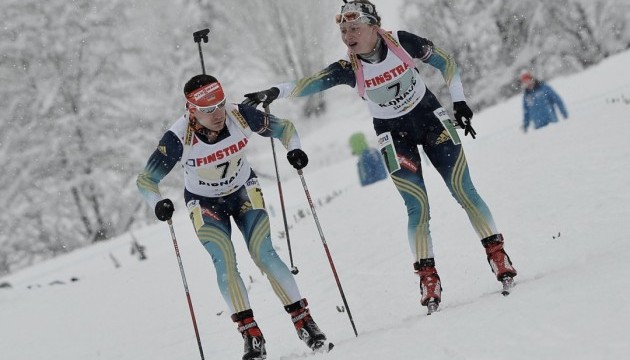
(508,284)
(324,348)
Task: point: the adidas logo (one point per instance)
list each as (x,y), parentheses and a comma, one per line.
(442,138)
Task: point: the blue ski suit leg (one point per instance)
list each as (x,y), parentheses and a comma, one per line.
(211,218)
(422,127)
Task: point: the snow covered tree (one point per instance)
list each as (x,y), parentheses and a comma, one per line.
(494,40)
(72,100)
(282,40)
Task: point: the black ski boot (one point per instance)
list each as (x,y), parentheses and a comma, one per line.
(254,348)
(306,328)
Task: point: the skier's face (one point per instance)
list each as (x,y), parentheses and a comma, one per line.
(527,84)
(360,38)
(214,121)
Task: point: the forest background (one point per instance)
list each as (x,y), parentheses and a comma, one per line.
(88,87)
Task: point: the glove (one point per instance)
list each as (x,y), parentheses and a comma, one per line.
(463,117)
(266,97)
(164,209)
(297,158)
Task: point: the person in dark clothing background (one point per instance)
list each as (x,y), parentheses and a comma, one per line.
(370,166)
(539,103)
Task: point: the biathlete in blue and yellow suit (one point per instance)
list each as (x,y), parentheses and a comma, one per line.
(406,114)
(210,142)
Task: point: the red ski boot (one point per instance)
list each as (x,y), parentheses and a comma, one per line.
(254,348)
(499,261)
(430,284)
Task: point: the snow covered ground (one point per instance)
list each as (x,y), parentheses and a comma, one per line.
(560,196)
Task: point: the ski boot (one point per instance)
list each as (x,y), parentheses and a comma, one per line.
(430,284)
(254,348)
(307,329)
(500,262)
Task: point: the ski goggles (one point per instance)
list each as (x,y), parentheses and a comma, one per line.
(209,109)
(352,16)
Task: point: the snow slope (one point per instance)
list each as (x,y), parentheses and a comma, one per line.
(560,196)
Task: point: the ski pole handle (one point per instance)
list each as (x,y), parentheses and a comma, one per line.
(198,36)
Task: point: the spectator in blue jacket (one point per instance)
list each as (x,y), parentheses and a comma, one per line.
(370,164)
(539,103)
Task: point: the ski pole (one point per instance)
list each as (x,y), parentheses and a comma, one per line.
(181,270)
(330,260)
(294,269)
(198,36)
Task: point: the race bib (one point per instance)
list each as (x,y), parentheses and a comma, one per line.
(220,171)
(194,210)
(448,124)
(390,91)
(255,193)
(388,151)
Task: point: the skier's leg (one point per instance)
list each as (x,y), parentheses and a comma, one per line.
(403,162)
(253,222)
(450,161)
(212,225)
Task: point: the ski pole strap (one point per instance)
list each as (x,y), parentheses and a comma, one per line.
(393,45)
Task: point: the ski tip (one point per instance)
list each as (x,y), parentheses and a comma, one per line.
(508,283)
(323,347)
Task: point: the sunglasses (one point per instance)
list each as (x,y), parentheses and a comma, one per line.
(209,109)
(351,16)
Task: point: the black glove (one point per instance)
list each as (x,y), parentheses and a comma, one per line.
(266,97)
(463,117)
(164,209)
(297,158)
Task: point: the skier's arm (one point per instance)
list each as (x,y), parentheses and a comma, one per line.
(555,99)
(426,51)
(161,162)
(525,114)
(337,73)
(269,125)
